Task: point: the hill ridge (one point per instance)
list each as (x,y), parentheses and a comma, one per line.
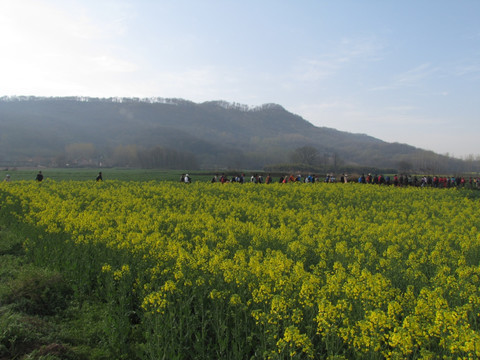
(218,134)
(151,100)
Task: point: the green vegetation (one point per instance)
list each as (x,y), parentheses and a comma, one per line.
(85,174)
(39,318)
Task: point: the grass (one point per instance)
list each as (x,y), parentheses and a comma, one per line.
(122,174)
(58,174)
(39,319)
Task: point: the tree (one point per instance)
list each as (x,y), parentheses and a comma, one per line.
(164,158)
(305,155)
(80,153)
(404,166)
(125,155)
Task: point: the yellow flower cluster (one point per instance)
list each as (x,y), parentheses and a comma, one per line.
(321,271)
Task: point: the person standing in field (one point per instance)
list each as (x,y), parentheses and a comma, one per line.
(99,177)
(7,178)
(39,177)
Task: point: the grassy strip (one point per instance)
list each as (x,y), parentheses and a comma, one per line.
(85,174)
(39,318)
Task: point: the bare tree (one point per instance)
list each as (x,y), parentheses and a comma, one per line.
(125,155)
(404,166)
(305,155)
(80,153)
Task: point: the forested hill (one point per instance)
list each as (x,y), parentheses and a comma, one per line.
(125,131)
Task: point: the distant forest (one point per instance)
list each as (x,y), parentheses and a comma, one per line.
(160,133)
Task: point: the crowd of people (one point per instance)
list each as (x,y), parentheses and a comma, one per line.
(435,181)
(423,181)
(395,180)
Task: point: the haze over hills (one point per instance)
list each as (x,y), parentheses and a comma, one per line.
(176,133)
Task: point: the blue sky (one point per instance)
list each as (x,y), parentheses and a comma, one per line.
(402,71)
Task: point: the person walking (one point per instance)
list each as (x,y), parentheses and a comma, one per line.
(39,177)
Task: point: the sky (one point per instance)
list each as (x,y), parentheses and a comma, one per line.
(401,71)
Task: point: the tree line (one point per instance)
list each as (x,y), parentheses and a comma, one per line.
(303,158)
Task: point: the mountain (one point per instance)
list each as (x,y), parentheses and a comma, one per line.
(213,134)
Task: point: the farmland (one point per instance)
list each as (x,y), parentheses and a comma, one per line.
(284,271)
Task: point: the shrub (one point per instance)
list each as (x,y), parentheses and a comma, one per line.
(38,292)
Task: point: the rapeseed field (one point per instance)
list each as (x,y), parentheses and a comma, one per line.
(280,271)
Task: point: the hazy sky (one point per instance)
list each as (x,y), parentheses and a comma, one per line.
(405,71)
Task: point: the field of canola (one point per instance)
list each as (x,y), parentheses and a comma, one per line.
(284,271)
